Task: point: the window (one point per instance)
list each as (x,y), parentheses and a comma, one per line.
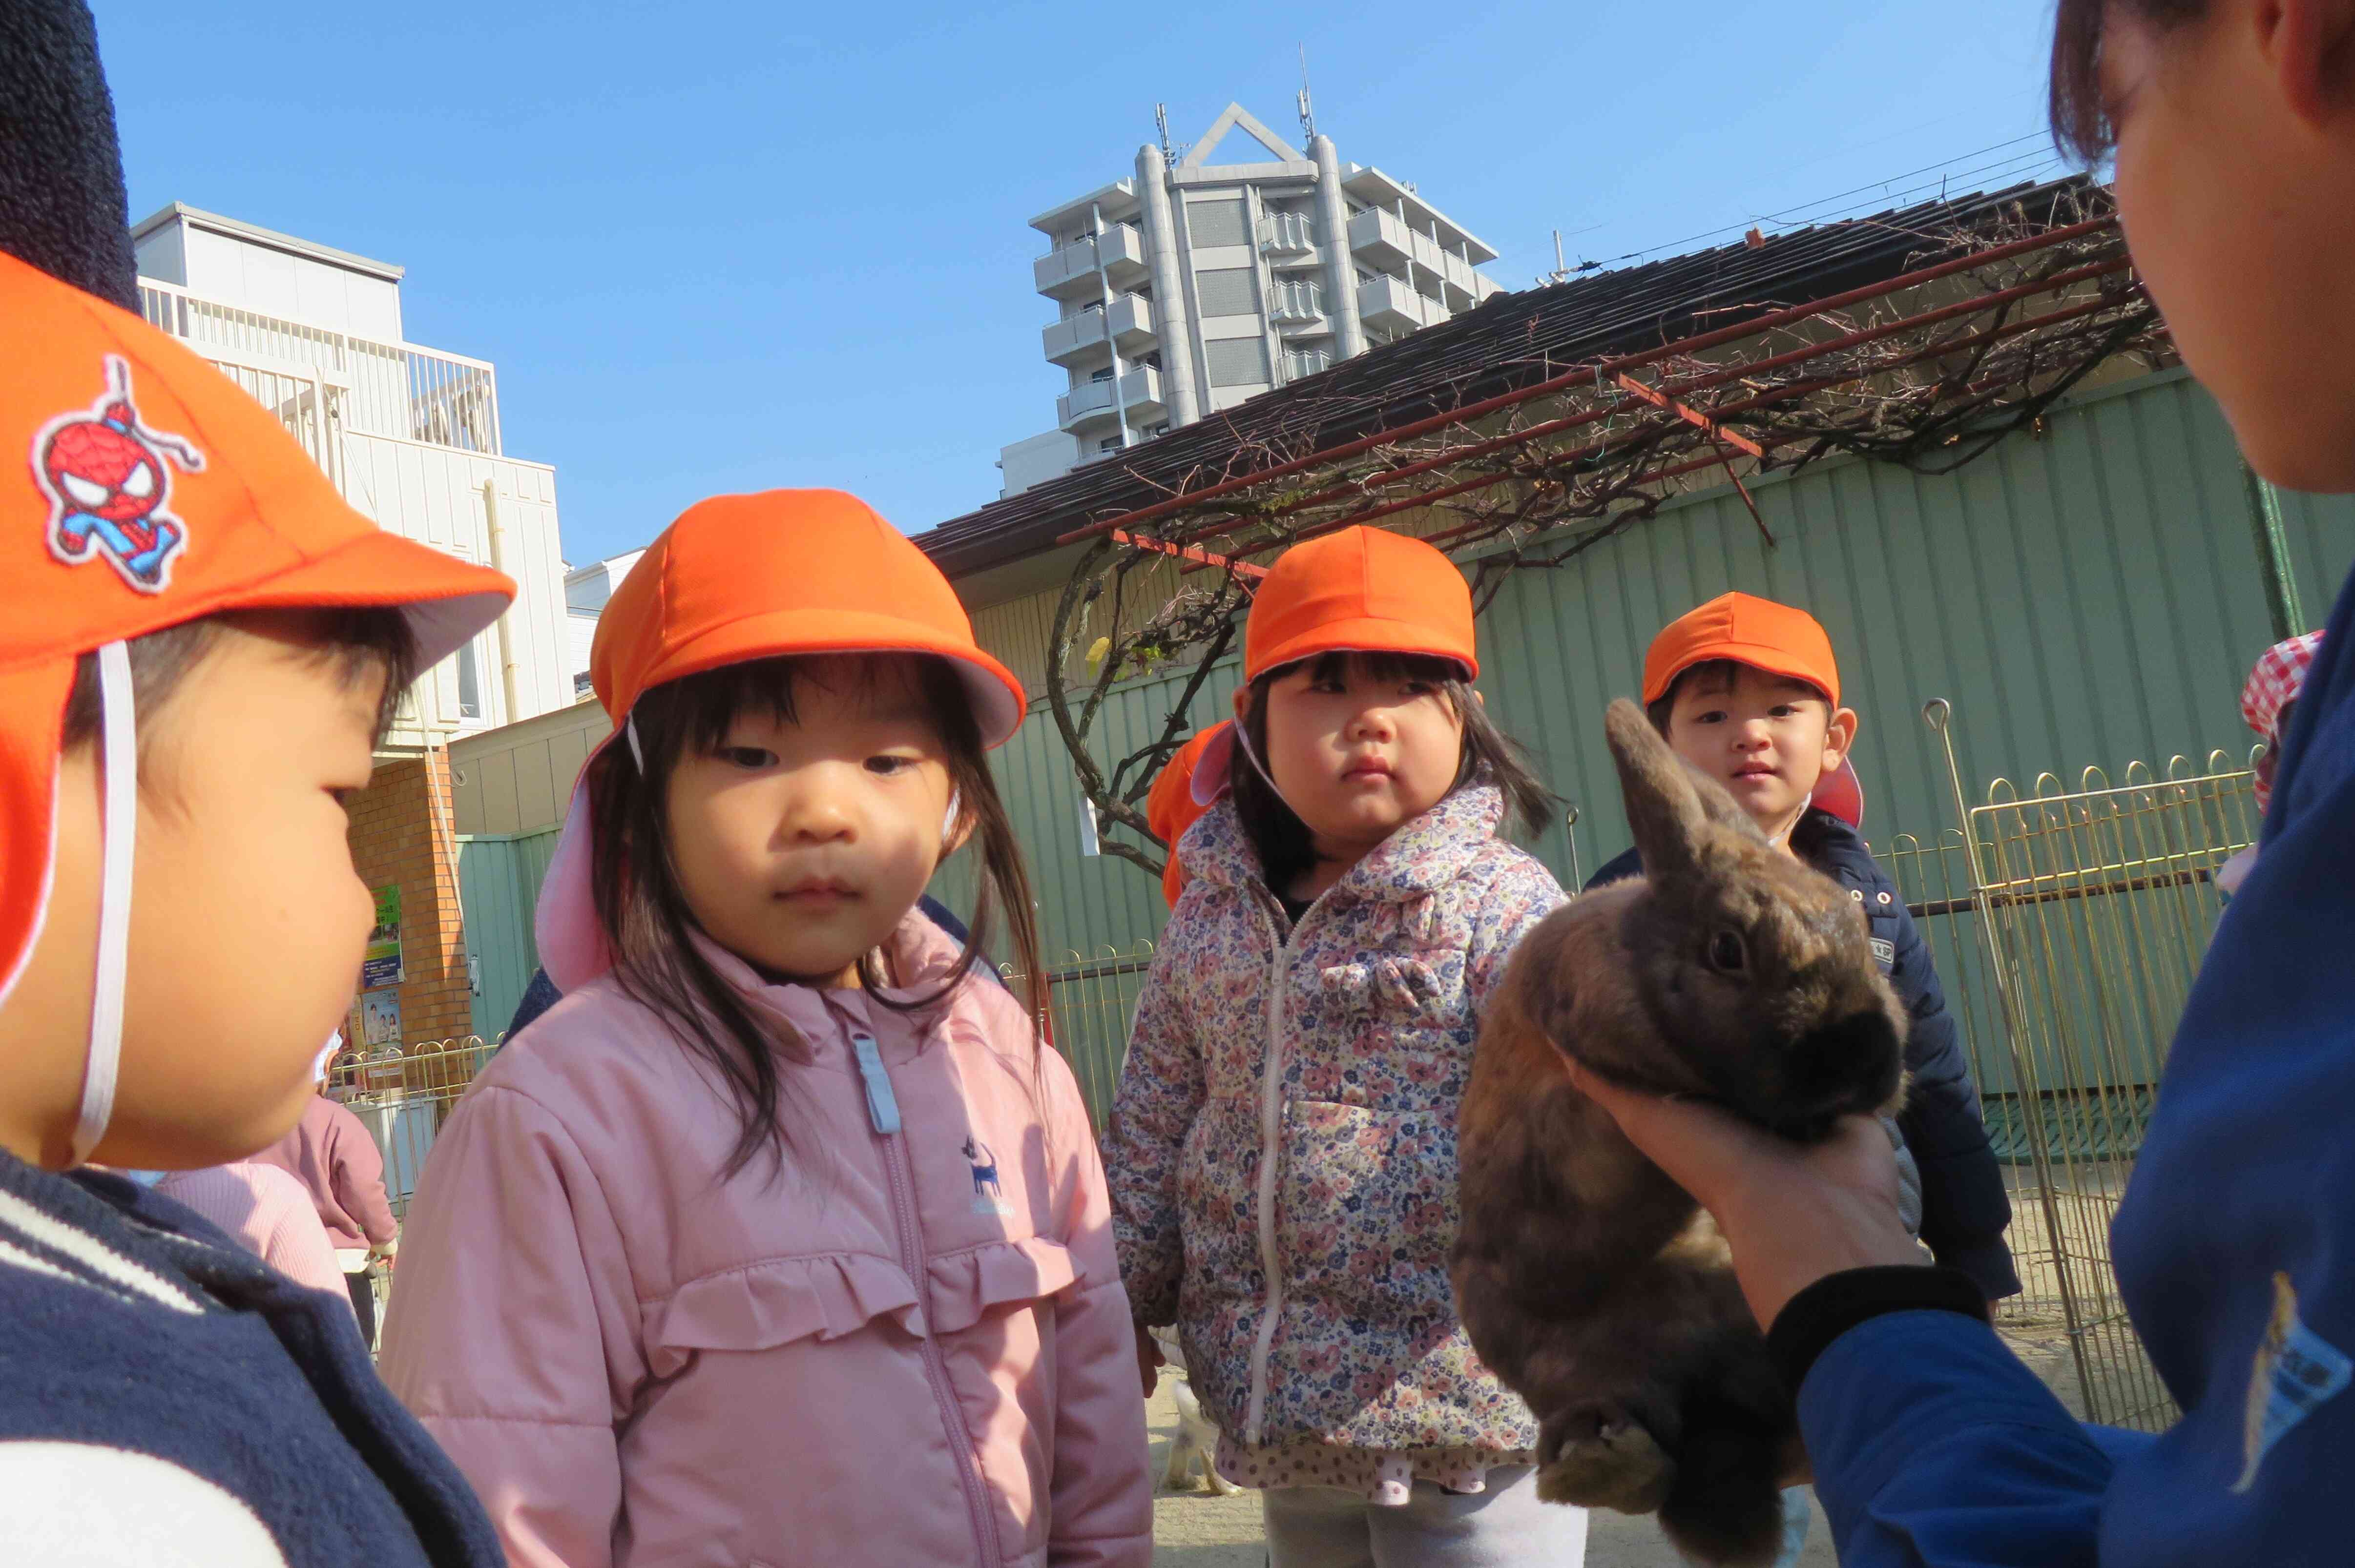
(470,684)
(1221,220)
(1237,361)
(1109,444)
(1227,291)
(582,683)
(1160,430)
(1103,374)
(1149,360)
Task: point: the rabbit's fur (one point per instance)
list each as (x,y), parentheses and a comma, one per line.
(1593,1285)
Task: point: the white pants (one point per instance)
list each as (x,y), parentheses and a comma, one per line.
(1503,1526)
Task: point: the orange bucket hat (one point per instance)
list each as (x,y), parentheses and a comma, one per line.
(151,491)
(1779,638)
(1178,801)
(755,576)
(1361,591)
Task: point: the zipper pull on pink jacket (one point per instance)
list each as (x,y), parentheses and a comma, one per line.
(882,1105)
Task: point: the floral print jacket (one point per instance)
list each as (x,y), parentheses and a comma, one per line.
(1282,1152)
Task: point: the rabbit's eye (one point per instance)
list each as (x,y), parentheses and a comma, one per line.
(1726,953)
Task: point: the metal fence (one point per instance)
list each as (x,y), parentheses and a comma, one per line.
(2067,926)
(1091,1002)
(402,1095)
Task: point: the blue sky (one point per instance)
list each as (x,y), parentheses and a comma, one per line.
(719,247)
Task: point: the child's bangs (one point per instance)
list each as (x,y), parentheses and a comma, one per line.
(1378,666)
(711,702)
(357,643)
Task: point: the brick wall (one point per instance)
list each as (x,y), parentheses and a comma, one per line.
(399,833)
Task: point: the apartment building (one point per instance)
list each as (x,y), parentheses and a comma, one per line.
(1194,285)
(411,436)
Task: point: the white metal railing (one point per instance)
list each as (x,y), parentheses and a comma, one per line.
(1287,233)
(1300,362)
(1296,301)
(378,388)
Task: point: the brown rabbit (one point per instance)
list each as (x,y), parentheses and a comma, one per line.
(1591,1284)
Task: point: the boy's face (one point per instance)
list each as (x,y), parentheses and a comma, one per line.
(1767,738)
(800,846)
(247,918)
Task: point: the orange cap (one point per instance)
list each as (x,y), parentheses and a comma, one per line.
(1175,805)
(1776,638)
(756,577)
(150,490)
(1750,631)
(1361,590)
(786,571)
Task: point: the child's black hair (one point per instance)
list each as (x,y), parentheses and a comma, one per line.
(1282,840)
(648,922)
(359,641)
(1724,672)
(2081,123)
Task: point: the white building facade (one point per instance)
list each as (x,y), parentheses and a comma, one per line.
(409,435)
(586,589)
(1193,286)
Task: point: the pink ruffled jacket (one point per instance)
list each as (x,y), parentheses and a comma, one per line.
(909,1346)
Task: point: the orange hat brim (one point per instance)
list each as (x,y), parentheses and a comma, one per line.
(997,697)
(1757,655)
(1365,634)
(34,697)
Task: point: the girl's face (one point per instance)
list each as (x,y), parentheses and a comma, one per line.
(800,845)
(1356,755)
(2236,185)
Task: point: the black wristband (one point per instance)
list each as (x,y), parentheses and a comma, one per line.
(1833,1305)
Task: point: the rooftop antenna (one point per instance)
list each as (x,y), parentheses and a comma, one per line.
(1561,273)
(1307,119)
(1161,119)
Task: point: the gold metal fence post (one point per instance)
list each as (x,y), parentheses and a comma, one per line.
(1938,713)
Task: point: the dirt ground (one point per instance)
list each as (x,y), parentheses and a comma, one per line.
(1194,1530)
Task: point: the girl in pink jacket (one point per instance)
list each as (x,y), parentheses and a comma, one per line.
(780,1239)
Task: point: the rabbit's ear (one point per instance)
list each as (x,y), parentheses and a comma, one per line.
(1674,811)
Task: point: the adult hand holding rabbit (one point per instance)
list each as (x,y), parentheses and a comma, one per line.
(1792,1214)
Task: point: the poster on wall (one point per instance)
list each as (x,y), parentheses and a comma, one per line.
(379,1019)
(380,962)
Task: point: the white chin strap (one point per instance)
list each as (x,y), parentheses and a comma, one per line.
(119,732)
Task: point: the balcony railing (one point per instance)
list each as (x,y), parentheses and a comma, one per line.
(1082,335)
(1287,234)
(1294,303)
(368,387)
(1074,264)
(1095,401)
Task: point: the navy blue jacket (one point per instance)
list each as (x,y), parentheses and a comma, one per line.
(2235,1251)
(130,1328)
(541,993)
(1963,1209)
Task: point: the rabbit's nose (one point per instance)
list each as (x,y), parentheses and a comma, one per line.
(1852,1062)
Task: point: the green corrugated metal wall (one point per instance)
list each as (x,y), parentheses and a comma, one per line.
(499,884)
(2091,595)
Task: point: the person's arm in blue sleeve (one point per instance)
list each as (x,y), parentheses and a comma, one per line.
(1932,1445)
(1964,1210)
